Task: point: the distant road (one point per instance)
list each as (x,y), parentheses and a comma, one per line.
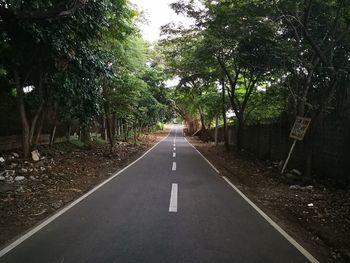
(169,206)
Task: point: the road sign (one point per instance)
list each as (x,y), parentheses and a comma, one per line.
(300,128)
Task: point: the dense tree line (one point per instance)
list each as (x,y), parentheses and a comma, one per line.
(79,60)
(261,60)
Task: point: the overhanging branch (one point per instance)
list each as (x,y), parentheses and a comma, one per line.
(63,9)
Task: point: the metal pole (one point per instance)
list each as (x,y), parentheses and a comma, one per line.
(288,157)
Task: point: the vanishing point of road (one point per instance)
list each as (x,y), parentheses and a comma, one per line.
(170,205)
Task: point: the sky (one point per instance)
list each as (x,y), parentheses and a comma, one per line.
(158,13)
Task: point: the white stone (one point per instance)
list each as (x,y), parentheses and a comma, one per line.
(35,155)
(19,178)
(10,172)
(13,165)
(16,155)
(2,160)
(2,178)
(294,187)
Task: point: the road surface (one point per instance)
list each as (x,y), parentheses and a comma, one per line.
(169,206)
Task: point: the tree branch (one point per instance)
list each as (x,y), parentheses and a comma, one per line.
(63,9)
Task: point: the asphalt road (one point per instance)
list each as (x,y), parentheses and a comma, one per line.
(170,206)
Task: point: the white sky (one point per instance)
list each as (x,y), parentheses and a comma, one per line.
(158,13)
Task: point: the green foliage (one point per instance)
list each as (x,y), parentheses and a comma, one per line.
(83,59)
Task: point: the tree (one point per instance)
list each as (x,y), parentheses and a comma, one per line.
(37,50)
(317,40)
(240,39)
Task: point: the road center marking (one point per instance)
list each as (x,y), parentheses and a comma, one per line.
(173,199)
(174,155)
(174,149)
(174,166)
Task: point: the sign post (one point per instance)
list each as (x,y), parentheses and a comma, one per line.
(298,133)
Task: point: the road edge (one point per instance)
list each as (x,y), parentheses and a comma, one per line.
(279,229)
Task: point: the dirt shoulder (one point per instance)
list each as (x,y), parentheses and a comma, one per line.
(315,214)
(32,191)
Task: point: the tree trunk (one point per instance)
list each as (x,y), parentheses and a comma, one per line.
(110,132)
(224,115)
(23,116)
(216,129)
(135,135)
(203,127)
(240,133)
(104,129)
(126,132)
(69,130)
(85,134)
(119,127)
(40,127)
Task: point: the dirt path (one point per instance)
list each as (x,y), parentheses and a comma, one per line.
(32,191)
(316,215)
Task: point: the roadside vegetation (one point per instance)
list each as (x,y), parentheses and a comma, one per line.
(78,67)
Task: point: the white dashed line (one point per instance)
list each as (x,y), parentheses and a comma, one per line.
(173,199)
(174,149)
(174,155)
(174,166)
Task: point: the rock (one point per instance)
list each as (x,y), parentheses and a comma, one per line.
(13,165)
(57,204)
(2,160)
(41,212)
(19,178)
(310,205)
(42,169)
(35,156)
(16,155)
(10,172)
(294,187)
(2,178)
(20,190)
(10,180)
(310,187)
(296,172)
(24,170)
(39,163)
